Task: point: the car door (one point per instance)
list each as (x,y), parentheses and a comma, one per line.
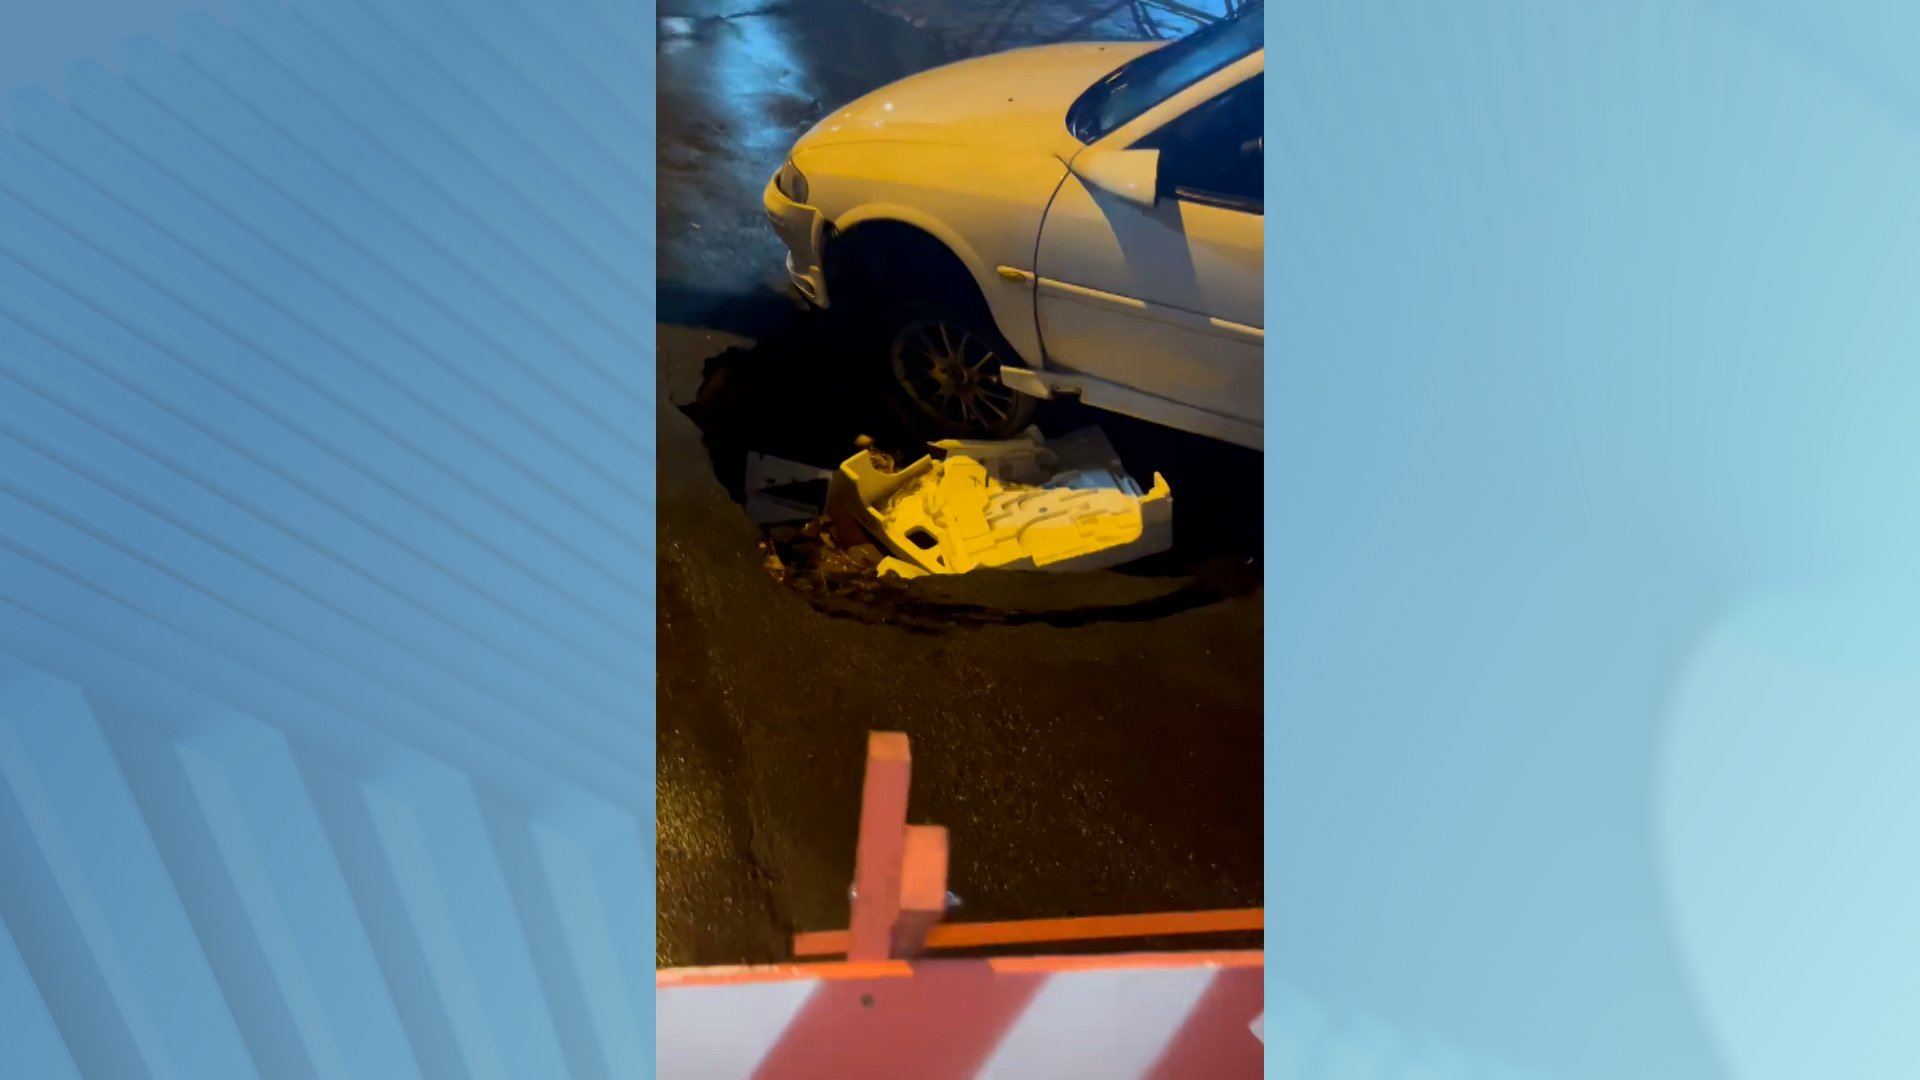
(1167,299)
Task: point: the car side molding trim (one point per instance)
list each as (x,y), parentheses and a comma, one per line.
(1166,313)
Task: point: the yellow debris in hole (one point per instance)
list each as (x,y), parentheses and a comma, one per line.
(1012,504)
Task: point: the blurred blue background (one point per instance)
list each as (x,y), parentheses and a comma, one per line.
(42,39)
(1593,676)
(326,741)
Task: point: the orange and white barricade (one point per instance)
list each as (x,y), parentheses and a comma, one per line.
(1155,1017)
(887,1014)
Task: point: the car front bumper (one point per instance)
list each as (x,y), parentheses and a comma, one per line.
(800,227)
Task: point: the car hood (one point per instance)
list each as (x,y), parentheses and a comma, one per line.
(1011,99)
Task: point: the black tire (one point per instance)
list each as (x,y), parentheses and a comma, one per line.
(902,291)
(941,359)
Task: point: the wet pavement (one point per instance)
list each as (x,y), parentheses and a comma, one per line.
(1092,741)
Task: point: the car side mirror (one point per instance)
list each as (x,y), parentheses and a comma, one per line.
(1133,175)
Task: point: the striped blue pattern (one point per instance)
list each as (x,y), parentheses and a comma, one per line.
(326,553)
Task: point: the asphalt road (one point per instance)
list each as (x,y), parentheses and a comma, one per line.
(1094,744)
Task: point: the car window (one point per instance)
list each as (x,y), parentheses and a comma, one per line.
(1151,78)
(1214,152)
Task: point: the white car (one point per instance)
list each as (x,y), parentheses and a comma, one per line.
(1072,219)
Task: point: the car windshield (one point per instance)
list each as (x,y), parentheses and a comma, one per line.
(1151,78)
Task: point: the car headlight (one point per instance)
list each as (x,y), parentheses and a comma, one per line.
(791,182)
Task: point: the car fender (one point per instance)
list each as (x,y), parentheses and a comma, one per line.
(1012,303)
(990,220)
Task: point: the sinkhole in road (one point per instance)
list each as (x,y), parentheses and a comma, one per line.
(804,391)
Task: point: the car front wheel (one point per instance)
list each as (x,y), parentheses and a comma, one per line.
(944,370)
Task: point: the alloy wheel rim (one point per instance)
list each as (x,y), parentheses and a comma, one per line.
(952,374)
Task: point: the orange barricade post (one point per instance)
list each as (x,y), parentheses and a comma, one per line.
(879,859)
(1150,1016)
(923,889)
